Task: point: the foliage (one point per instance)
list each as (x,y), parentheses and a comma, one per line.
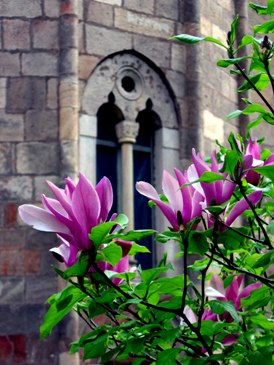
(152,316)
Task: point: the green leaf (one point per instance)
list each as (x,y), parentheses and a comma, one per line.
(260,80)
(262,321)
(233,29)
(261,10)
(231,61)
(190,39)
(255,123)
(135,248)
(167,357)
(112,253)
(220,307)
(150,274)
(60,305)
(264,28)
(265,260)
(96,348)
(134,235)
(234,114)
(258,298)
(98,233)
(197,243)
(267,171)
(254,108)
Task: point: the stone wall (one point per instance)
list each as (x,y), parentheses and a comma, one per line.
(29,154)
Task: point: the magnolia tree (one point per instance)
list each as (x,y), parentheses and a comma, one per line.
(154,318)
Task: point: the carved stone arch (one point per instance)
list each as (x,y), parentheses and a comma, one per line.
(140,89)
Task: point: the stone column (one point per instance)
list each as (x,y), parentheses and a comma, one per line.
(127,132)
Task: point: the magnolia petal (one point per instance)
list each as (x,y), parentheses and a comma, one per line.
(190,315)
(245,293)
(67,252)
(85,205)
(125,246)
(172,191)
(41,220)
(232,290)
(213,293)
(105,194)
(242,205)
(186,193)
(62,197)
(147,190)
(217,283)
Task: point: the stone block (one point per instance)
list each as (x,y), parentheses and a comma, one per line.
(11,127)
(45,34)
(178,58)
(69,158)
(52,8)
(19,8)
(110,2)
(68,32)
(68,62)
(100,13)
(3,85)
(15,262)
(167,9)
(37,293)
(86,65)
(156,50)
(25,93)
(41,125)
(177,82)
(13,349)
(16,34)
(10,214)
(12,237)
(16,188)
(41,187)
(9,64)
(12,290)
(36,240)
(52,93)
(37,158)
(5,158)
(142,24)
(213,126)
(39,64)
(143,6)
(69,7)
(103,41)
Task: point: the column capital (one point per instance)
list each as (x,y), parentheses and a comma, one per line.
(127,131)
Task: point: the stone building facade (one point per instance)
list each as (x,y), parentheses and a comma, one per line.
(63,61)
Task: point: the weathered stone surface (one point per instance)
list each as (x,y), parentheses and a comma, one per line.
(45,34)
(12,237)
(9,64)
(178,58)
(177,82)
(35,293)
(40,186)
(143,6)
(68,62)
(69,158)
(156,50)
(19,8)
(11,127)
(12,290)
(111,2)
(138,23)
(167,9)
(52,8)
(16,34)
(41,125)
(52,93)
(100,13)
(68,37)
(17,188)
(213,127)
(25,93)
(40,64)
(3,85)
(37,158)
(102,41)
(86,65)
(5,158)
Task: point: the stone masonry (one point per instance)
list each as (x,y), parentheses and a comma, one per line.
(49,50)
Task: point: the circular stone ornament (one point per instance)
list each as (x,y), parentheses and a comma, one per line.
(129,83)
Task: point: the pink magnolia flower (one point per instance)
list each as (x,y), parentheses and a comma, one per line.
(233,292)
(217,192)
(75,211)
(183,204)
